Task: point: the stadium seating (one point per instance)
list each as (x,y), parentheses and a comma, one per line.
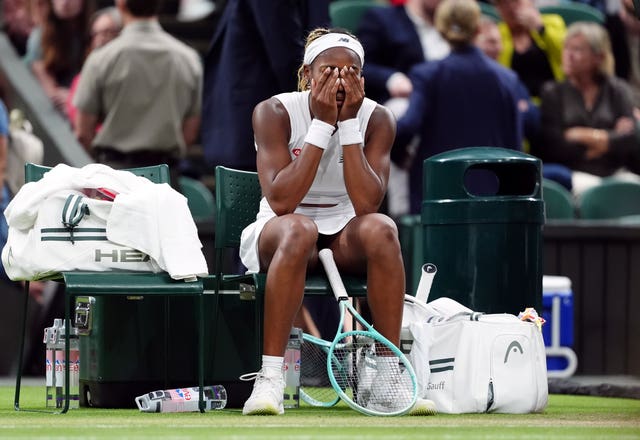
(199,199)
(488,10)
(347,14)
(612,199)
(558,201)
(572,11)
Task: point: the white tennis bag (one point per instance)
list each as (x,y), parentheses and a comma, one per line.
(69,233)
(469,362)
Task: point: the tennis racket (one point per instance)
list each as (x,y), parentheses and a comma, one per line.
(367,371)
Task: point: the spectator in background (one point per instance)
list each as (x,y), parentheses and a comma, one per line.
(532,43)
(17,23)
(4,190)
(464,100)
(146,87)
(632,27)
(56,49)
(613,23)
(587,120)
(254,54)
(489,41)
(396,39)
(106,25)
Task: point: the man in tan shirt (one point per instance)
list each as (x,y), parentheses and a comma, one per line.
(146,89)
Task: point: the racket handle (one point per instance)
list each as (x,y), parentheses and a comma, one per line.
(426,279)
(326,257)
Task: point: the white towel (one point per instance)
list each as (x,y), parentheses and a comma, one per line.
(156,220)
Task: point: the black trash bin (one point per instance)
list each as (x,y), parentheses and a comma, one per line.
(482,218)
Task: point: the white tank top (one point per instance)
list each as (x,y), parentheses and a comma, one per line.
(328,186)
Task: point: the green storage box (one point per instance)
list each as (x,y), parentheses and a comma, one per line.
(486,243)
(126,351)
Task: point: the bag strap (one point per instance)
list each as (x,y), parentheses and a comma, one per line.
(72,213)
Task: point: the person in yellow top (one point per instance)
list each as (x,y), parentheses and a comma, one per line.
(532,43)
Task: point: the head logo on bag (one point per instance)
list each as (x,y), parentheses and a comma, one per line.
(515,345)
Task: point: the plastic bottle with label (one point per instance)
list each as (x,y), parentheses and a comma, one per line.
(182,399)
(292,369)
(55,364)
(49,341)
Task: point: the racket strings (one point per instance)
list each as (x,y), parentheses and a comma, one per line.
(315,387)
(375,377)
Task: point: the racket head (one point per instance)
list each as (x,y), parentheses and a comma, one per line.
(315,386)
(371,374)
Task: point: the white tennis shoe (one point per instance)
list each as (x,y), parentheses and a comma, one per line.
(423,407)
(266,397)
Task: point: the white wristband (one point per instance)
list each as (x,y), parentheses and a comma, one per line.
(319,134)
(349,132)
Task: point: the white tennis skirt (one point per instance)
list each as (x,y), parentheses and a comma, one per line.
(328,220)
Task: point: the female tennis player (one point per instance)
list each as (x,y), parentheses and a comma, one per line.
(323,164)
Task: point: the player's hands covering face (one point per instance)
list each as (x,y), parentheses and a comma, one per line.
(353,85)
(323,96)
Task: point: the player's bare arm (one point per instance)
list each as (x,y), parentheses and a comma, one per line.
(366,170)
(284,181)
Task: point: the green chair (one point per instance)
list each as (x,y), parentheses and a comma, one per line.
(612,199)
(347,14)
(112,283)
(238,197)
(488,10)
(199,198)
(558,201)
(572,11)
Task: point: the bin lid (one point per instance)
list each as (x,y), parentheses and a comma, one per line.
(494,171)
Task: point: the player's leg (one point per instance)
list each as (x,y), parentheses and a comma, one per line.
(285,246)
(369,244)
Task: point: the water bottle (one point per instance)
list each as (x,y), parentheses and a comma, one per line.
(182,399)
(49,367)
(55,364)
(74,367)
(292,369)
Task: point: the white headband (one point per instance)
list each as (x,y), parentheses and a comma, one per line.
(328,41)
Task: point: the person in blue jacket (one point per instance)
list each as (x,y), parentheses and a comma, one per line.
(464,100)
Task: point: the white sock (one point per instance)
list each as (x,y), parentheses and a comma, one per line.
(272,365)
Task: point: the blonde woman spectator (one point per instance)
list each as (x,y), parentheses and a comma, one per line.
(587,120)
